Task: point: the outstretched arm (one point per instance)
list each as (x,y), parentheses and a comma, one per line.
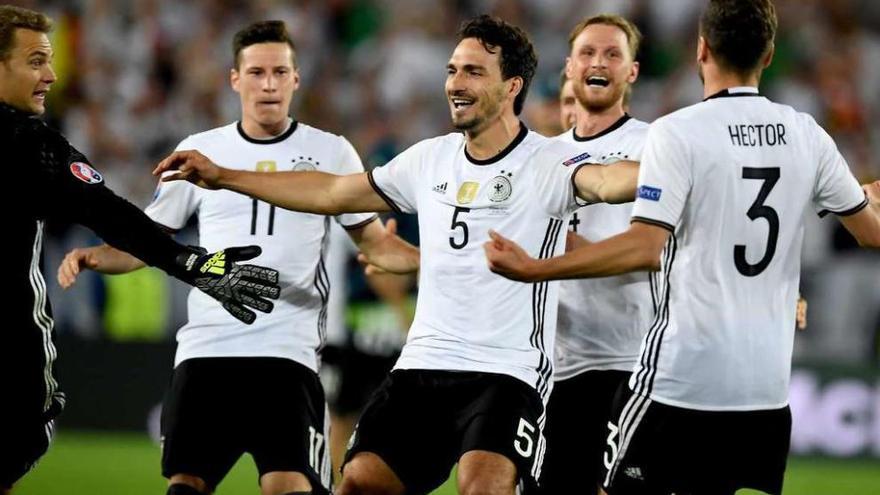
(102,259)
(636,249)
(865,225)
(310,192)
(382,250)
(614,183)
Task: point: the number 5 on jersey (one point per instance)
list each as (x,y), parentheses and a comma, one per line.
(459,225)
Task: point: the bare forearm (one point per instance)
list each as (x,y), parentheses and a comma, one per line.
(310,192)
(615,183)
(620,254)
(112,261)
(391,253)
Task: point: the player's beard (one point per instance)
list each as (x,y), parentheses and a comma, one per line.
(485,108)
(598,104)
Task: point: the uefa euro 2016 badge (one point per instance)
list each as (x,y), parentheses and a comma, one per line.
(499,189)
(85,173)
(467,191)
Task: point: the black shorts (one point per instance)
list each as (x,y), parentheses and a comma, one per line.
(657,448)
(350,376)
(577,426)
(22,443)
(420,422)
(216,409)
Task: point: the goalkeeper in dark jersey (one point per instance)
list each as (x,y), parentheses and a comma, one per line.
(55,182)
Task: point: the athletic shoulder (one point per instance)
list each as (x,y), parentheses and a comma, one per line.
(209,137)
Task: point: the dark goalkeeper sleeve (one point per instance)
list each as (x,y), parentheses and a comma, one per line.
(75,192)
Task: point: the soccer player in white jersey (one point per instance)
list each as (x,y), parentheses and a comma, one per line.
(601,321)
(725,186)
(472,379)
(255,388)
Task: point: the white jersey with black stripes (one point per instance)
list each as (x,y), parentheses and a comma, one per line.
(468,318)
(733,179)
(602,320)
(293,243)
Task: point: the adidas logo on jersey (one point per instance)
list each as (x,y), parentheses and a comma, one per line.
(634,473)
(440,188)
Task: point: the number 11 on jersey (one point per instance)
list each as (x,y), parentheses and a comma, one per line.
(263,166)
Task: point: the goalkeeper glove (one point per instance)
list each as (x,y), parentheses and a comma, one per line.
(236,286)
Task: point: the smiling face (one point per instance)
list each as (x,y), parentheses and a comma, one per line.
(475,89)
(265,80)
(26,74)
(601,66)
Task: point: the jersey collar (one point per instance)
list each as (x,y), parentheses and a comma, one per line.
(735,92)
(523,131)
(613,127)
(277,139)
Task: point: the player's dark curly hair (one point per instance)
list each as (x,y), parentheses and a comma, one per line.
(739,32)
(518,58)
(262,32)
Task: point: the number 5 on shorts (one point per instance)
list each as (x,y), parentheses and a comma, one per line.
(524,444)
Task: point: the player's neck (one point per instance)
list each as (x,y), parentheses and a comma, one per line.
(256,130)
(588,122)
(488,142)
(717,80)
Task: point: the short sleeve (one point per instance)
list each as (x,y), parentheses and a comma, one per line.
(665,177)
(837,190)
(397,182)
(350,163)
(557,162)
(174,202)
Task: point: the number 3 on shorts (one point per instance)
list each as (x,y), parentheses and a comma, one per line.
(524,444)
(612,446)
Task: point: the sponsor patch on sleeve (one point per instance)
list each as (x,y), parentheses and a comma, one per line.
(649,193)
(576,159)
(85,173)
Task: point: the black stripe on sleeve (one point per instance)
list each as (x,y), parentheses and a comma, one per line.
(852,211)
(651,221)
(574,188)
(382,194)
(360,224)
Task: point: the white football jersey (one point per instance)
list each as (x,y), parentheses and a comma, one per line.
(293,243)
(602,320)
(733,178)
(468,318)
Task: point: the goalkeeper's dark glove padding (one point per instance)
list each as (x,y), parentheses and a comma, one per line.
(236,286)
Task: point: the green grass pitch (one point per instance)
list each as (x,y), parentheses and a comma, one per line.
(95,463)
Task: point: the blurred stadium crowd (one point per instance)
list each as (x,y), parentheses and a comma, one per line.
(137,76)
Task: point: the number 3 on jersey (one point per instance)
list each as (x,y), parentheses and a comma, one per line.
(770,176)
(263,166)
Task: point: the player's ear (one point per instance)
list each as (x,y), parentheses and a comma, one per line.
(568,68)
(516,85)
(702,50)
(768,58)
(295,79)
(633,73)
(234,77)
